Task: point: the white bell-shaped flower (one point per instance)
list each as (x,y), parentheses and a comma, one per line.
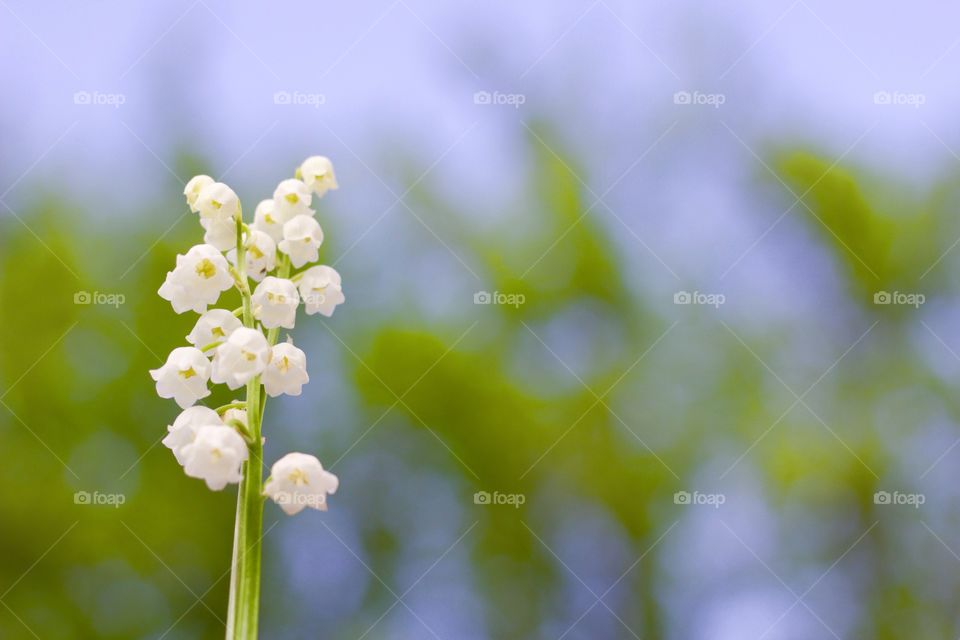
(292,198)
(215,456)
(184,429)
(197,280)
(317,173)
(214,326)
(275,303)
(320,290)
(194,187)
(297,481)
(302,237)
(287,371)
(269,219)
(261,254)
(183,376)
(242,357)
(221,234)
(217,201)
(240,415)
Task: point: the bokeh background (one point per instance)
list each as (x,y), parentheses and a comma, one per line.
(776,459)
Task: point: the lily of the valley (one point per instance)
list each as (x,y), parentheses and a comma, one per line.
(261,254)
(302,237)
(320,290)
(297,481)
(197,280)
(275,303)
(215,456)
(193,188)
(268,219)
(317,173)
(184,429)
(287,371)
(242,357)
(292,198)
(217,201)
(183,376)
(214,326)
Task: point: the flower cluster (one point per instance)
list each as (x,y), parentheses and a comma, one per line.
(239,348)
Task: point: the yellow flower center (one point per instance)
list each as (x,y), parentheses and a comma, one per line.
(217,331)
(188,373)
(284,365)
(298,477)
(255,251)
(292,198)
(206,269)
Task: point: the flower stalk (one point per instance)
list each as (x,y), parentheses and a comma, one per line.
(239,348)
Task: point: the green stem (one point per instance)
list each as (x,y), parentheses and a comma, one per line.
(244,606)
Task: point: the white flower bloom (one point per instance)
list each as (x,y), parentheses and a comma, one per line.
(302,237)
(242,357)
(298,480)
(197,280)
(217,201)
(269,220)
(184,429)
(215,456)
(317,173)
(213,326)
(193,189)
(320,290)
(222,234)
(261,254)
(184,376)
(287,371)
(292,198)
(275,303)
(235,414)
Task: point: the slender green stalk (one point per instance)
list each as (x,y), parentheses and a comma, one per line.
(244,607)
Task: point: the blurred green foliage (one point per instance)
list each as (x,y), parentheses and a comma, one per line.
(485,405)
